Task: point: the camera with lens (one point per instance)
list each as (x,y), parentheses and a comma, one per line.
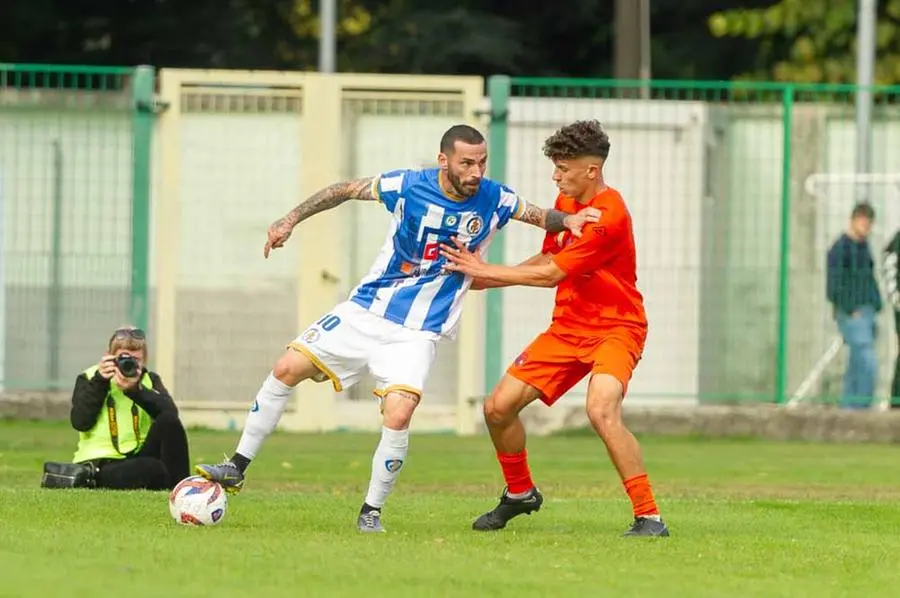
(128,365)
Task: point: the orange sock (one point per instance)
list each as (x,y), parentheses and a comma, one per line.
(641,495)
(516,472)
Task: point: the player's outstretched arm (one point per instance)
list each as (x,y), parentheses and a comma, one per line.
(555,221)
(330,197)
(480,284)
(596,247)
(543,273)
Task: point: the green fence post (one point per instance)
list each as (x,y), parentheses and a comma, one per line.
(54,299)
(499,87)
(142,131)
(785,261)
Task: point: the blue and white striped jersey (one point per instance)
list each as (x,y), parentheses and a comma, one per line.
(406,283)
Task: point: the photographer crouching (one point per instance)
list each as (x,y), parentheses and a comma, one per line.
(130,436)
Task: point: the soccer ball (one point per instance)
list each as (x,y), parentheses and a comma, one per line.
(198,501)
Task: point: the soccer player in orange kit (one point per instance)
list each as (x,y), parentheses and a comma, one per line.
(599,328)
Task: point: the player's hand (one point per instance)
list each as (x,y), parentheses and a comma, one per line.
(107,366)
(576,222)
(460,259)
(278,234)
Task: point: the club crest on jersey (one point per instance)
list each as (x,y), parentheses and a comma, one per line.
(474,224)
(310,336)
(450,220)
(521,359)
(393,465)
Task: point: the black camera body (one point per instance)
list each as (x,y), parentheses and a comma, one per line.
(128,365)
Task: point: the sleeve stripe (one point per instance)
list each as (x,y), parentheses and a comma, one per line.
(393,183)
(513,202)
(519,207)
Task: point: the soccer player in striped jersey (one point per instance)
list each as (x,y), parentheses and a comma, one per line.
(394,318)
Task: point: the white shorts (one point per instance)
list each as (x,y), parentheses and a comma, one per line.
(350,339)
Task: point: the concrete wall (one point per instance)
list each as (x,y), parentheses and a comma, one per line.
(703,183)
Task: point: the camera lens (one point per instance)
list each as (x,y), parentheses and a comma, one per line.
(127,364)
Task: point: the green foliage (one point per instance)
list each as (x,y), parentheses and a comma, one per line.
(480,37)
(811,40)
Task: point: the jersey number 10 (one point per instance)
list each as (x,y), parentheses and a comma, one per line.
(329,322)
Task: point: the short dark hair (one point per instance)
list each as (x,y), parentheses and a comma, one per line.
(863,210)
(464,133)
(576,140)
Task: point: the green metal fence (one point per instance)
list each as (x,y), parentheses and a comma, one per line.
(737,190)
(75,199)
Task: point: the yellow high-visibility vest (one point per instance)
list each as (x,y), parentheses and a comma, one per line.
(121,428)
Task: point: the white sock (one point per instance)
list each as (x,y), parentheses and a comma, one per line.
(264,415)
(386,465)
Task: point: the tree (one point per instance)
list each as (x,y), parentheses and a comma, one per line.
(467,37)
(684,48)
(483,37)
(236,34)
(812,40)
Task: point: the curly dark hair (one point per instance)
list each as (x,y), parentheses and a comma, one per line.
(578,139)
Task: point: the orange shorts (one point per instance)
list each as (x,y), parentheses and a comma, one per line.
(557,360)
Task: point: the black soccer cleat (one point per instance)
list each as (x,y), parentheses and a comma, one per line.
(647,527)
(69,475)
(509,508)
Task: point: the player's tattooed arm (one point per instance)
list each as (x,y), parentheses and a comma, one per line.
(555,221)
(325,199)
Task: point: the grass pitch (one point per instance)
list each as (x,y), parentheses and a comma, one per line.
(748,518)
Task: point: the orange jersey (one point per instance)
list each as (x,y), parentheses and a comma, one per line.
(601,287)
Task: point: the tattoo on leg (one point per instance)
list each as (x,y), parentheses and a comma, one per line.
(404,394)
(408,395)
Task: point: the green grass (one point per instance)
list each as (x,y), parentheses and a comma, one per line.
(748,518)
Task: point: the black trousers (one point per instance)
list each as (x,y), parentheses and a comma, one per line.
(161,463)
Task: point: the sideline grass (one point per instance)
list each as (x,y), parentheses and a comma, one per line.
(749,518)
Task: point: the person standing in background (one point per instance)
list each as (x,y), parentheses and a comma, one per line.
(853,292)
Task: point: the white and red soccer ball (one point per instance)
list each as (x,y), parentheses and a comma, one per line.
(198,501)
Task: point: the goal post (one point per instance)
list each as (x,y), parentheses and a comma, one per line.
(814,181)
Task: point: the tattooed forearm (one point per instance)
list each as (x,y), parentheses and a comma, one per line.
(327,198)
(554,222)
(533,215)
(549,220)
